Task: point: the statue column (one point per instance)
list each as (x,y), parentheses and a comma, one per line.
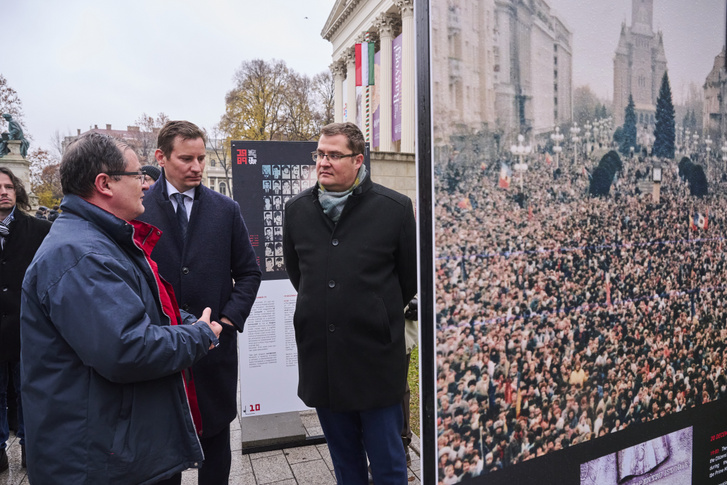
(338,68)
(408,114)
(385,24)
(351,108)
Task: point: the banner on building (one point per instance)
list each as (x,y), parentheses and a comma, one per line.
(396,87)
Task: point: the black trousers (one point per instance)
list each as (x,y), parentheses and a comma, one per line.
(217,459)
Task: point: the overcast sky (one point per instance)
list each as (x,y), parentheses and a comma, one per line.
(79,63)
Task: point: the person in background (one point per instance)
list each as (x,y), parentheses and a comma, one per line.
(104,342)
(20,237)
(151,174)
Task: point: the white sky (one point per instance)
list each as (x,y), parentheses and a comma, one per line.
(79,63)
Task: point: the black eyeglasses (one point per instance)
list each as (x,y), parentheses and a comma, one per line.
(333,157)
(138,175)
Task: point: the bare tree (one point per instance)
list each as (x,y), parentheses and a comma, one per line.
(298,115)
(10,103)
(145,138)
(324,90)
(218,141)
(253,106)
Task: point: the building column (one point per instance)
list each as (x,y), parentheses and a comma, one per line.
(408,114)
(351,108)
(385,24)
(338,69)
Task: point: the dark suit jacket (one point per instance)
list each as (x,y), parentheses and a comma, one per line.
(354,279)
(26,234)
(216,267)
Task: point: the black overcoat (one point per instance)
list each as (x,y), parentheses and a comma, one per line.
(216,268)
(26,234)
(354,279)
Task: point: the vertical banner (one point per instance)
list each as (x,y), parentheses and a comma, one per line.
(344,95)
(265,175)
(396,84)
(377,99)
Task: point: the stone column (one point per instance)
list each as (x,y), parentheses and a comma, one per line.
(386,24)
(408,114)
(351,107)
(338,69)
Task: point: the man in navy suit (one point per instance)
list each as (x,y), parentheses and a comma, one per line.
(205,253)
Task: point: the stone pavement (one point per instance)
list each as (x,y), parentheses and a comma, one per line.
(305,465)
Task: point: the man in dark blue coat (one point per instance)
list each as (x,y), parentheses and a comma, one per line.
(205,253)
(104,346)
(20,236)
(350,252)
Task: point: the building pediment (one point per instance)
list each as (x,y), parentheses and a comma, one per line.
(341,10)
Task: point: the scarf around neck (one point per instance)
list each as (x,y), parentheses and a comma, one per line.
(333,202)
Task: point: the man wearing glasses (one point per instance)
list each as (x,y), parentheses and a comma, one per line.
(103,341)
(350,252)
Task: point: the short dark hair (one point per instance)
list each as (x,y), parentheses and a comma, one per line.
(85,158)
(356,141)
(172,129)
(21,196)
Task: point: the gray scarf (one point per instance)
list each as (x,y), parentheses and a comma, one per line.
(333,202)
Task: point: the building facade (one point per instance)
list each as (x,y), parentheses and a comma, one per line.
(385,112)
(638,65)
(533,68)
(715,97)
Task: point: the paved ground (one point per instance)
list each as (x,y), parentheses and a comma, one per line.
(306,465)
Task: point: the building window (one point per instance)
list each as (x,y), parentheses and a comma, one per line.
(223,188)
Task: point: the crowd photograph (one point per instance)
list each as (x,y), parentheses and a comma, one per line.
(562,316)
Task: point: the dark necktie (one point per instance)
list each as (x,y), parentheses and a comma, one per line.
(181,214)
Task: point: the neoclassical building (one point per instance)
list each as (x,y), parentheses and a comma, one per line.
(715,99)
(385,112)
(638,65)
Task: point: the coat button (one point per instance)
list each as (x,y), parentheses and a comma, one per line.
(331,284)
(5,288)
(185,307)
(331,328)
(185,270)
(335,242)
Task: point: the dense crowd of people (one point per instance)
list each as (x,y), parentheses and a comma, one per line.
(562,317)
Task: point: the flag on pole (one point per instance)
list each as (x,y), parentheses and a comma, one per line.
(505,176)
(699,221)
(365,64)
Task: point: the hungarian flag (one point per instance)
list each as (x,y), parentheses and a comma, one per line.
(365,64)
(699,221)
(505,176)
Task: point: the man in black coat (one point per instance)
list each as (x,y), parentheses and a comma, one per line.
(350,252)
(20,237)
(205,253)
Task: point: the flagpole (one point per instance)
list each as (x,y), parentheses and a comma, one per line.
(367,111)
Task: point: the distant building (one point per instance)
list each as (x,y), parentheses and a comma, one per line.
(533,67)
(145,144)
(715,99)
(638,65)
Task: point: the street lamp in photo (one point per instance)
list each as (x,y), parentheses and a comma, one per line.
(557,138)
(708,149)
(520,151)
(724,154)
(574,131)
(587,136)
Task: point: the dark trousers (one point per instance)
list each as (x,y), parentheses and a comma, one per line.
(217,459)
(175,480)
(376,433)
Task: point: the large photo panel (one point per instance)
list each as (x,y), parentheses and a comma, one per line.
(580,175)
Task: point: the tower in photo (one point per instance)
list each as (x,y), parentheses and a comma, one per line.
(638,65)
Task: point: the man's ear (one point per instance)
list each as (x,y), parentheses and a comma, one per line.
(101,183)
(358,160)
(159,156)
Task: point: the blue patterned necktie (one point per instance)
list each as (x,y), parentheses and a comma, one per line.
(181,214)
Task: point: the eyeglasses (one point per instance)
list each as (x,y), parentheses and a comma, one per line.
(333,157)
(138,175)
